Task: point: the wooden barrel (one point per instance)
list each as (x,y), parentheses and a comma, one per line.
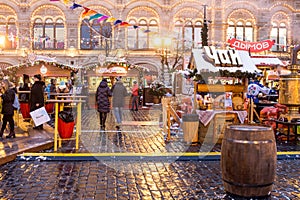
(248,160)
(190,123)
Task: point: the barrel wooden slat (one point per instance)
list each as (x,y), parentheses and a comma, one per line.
(248,160)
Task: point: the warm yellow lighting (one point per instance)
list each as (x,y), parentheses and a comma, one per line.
(43,69)
(2,40)
(72,51)
(162,42)
(23,51)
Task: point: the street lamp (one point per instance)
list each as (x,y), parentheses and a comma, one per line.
(163,44)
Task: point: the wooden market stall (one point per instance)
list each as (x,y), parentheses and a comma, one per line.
(110,72)
(48,70)
(220,91)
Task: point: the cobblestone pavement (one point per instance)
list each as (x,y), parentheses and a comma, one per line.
(130,180)
(140,136)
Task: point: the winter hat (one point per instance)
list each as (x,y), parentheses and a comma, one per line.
(62,85)
(25,78)
(38,76)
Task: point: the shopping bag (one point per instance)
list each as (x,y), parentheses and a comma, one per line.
(39,116)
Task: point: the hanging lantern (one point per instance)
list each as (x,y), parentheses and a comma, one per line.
(43,69)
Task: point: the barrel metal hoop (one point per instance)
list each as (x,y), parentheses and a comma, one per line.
(248,142)
(248,185)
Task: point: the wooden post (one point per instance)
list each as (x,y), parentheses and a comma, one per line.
(168,121)
(78,125)
(56,126)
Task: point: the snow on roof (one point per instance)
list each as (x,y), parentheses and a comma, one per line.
(203,64)
(266,61)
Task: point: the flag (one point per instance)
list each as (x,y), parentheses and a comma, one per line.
(111,19)
(75,5)
(96,16)
(118,22)
(124,24)
(86,10)
(104,17)
(88,13)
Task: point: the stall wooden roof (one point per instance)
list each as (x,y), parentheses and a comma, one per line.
(203,64)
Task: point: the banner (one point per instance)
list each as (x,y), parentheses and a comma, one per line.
(251,46)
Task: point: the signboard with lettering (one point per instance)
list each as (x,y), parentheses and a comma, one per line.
(112,71)
(251,46)
(224,58)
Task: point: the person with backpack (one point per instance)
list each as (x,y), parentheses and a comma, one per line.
(8,96)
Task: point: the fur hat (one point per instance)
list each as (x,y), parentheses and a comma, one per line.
(38,76)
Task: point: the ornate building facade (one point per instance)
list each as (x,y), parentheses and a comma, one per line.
(67,31)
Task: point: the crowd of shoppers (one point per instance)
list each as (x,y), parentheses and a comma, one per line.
(106,98)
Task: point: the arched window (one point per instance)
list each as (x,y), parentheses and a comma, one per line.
(188,34)
(279,35)
(143,35)
(153,28)
(179,34)
(240,30)
(197,34)
(132,35)
(95,34)
(59,34)
(48,34)
(8,32)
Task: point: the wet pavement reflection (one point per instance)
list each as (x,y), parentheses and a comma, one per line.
(130,180)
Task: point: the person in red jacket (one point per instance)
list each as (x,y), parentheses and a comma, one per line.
(135,96)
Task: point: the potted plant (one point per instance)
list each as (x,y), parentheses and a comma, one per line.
(157,90)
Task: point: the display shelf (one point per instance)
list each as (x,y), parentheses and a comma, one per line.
(220,88)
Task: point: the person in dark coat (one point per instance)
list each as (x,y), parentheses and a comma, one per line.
(37,98)
(52,87)
(8,97)
(103,104)
(24,97)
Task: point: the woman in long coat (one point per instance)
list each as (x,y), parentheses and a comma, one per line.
(103,104)
(37,95)
(8,96)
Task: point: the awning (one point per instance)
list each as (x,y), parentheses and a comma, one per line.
(266,61)
(204,65)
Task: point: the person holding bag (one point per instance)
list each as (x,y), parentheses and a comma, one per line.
(37,98)
(8,97)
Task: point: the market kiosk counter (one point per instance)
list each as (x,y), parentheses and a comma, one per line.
(216,115)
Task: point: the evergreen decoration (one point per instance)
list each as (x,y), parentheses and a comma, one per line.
(203,76)
(157,89)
